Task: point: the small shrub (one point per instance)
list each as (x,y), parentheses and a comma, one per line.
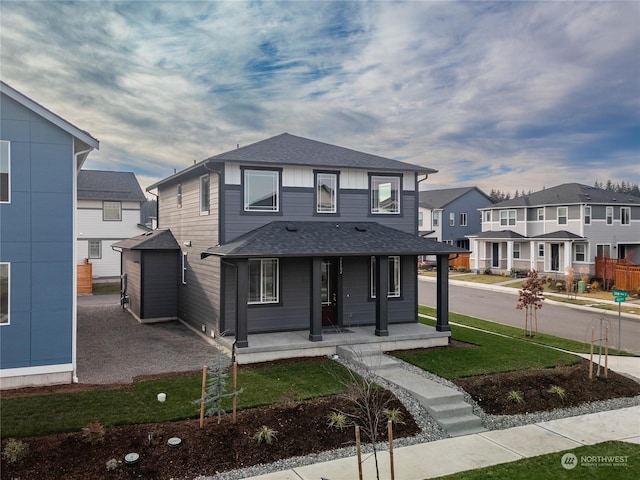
(487,271)
(515,397)
(559,391)
(337,420)
(112,464)
(595,286)
(15,450)
(265,435)
(93,433)
(394,415)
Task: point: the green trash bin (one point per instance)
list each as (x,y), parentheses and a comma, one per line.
(582,286)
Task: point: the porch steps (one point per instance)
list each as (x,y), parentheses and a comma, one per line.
(446,405)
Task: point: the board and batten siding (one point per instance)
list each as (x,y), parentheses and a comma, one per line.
(160,280)
(198,300)
(131,263)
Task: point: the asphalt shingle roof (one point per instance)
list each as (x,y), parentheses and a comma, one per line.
(569,193)
(301,239)
(161,239)
(107,185)
(560,234)
(441,198)
(499,234)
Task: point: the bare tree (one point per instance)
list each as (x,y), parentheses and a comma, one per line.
(530,299)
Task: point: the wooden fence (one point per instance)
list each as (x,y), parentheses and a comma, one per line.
(619,273)
(461,261)
(85,278)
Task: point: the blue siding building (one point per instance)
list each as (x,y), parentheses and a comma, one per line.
(41,154)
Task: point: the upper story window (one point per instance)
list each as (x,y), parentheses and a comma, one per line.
(261,190)
(95,249)
(204,194)
(562,215)
(487,216)
(4,293)
(463,219)
(326,192)
(420,219)
(507,217)
(394,276)
(179,195)
(625,215)
(609,215)
(111,211)
(541,214)
(435,221)
(385,194)
(587,215)
(452,219)
(5,171)
(263,280)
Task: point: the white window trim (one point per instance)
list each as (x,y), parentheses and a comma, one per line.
(420,219)
(334,199)
(104,203)
(89,249)
(463,219)
(204,211)
(587,215)
(603,245)
(541,250)
(608,215)
(628,210)
(565,216)
(276,287)
(584,252)
(8,322)
(540,214)
(184,268)
(516,250)
(246,206)
(452,219)
(507,214)
(8,143)
(435,219)
(394,262)
(179,195)
(392,179)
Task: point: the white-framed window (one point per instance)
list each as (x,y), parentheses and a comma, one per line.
(603,250)
(184,268)
(625,215)
(609,216)
(435,219)
(448,242)
(111,211)
(540,214)
(487,216)
(179,195)
(516,250)
(95,249)
(326,192)
(5,293)
(204,194)
(452,219)
(261,190)
(580,252)
(5,171)
(541,250)
(463,219)
(507,218)
(394,277)
(420,219)
(385,194)
(562,215)
(587,215)
(263,280)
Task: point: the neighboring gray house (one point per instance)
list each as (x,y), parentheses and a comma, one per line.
(450,214)
(557,228)
(108,210)
(291,234)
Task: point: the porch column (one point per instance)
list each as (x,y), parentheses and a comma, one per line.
(382,287)
(475,246)
(242,308)
(568,257)
(442,294)
(315,319)
(509,255)
(533,255)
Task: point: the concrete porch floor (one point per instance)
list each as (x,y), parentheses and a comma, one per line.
(264,347)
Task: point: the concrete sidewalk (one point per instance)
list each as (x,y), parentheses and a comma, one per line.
(452,455)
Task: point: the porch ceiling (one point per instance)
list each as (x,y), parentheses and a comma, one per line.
(305,239)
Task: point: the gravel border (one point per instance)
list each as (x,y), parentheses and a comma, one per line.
(430,430)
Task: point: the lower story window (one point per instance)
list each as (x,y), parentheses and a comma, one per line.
(394,277)
(95,249)
(516,250)
(263,280)
(580,252)
(4,293)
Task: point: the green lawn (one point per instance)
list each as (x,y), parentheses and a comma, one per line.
(106,288)
(549,466)
(68,412)
(479,278)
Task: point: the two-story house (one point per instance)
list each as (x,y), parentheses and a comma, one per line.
(108,211)
(291,234)
(450,214)
(557,228)
(40,157)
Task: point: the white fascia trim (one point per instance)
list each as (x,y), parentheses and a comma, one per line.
(44,369)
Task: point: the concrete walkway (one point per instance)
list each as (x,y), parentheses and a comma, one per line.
(452,455)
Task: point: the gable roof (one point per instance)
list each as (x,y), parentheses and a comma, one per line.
(305,239)
(47,114)
(287,149)
(569,193)
(441,198)
(497,234)
(161,239)
(108,185)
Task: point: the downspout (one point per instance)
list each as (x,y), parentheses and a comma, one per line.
(77,157)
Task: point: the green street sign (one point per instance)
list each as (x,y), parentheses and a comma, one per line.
(619,296)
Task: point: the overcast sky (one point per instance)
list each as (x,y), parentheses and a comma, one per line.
(520,95)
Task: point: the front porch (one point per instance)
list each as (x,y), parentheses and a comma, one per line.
(266,347)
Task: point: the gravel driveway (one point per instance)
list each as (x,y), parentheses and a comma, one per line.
(114,348)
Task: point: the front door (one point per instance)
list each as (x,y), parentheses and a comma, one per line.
(495,255)
(329,292)
(555,257)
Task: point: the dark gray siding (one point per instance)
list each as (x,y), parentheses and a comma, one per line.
(131,266)
(160,280)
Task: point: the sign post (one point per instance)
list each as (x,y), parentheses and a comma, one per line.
(619,296)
